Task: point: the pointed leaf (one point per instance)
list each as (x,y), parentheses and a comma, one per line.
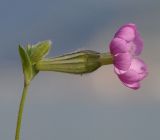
(26,64)
(39,50)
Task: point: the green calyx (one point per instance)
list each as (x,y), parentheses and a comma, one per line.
(76,63)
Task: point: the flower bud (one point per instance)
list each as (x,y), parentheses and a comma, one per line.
(38,51)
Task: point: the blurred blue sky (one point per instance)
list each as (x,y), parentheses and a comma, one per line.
(95,106)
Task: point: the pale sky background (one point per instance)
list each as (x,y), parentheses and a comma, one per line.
(95,106)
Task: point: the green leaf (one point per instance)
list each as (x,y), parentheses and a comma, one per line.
(26,64)
(39,50)
(28,49)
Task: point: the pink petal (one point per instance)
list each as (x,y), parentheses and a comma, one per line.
(126,45)
(133,85)
(126,32)
(140,67)
(139,43)
(118,45)
(127,39)
(129,77)
(136,72)
(118,71)
(122,61)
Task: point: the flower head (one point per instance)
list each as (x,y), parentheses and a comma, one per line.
(125,47)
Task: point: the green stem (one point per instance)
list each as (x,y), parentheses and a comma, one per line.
(20,113)
(106,58)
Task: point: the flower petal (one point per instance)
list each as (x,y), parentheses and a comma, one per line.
(133,85)
(130,34)
(140,67)
(139,43)
(122,61)
(129,77)
(118,45)
(126,32)
(125,46)
(136,72)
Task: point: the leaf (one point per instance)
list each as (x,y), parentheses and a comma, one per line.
(26,64)
(39,50)
(28,49)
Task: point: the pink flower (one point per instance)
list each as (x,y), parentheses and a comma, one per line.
(125,48)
